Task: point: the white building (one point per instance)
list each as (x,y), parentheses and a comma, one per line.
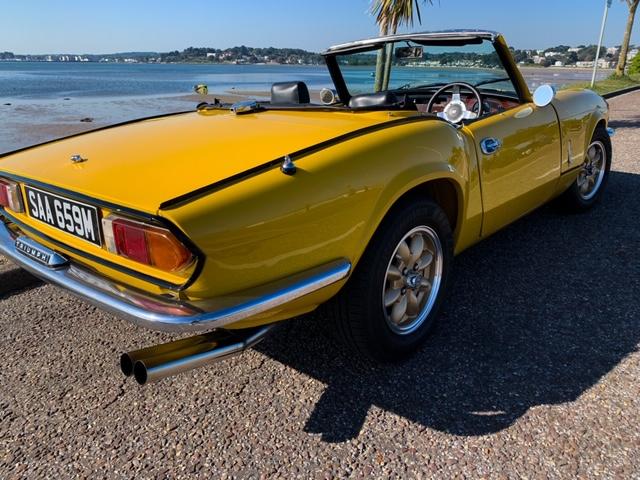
(602,63)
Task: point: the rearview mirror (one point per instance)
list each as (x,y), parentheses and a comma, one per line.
(409,53)
(544,95)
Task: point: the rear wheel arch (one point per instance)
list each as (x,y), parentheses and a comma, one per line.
(445,192)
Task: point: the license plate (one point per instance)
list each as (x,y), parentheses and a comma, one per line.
(78,219)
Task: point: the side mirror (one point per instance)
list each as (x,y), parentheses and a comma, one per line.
(544,95)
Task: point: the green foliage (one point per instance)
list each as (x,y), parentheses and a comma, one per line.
(588,54)
(242,54)
(634,68)
(559,48)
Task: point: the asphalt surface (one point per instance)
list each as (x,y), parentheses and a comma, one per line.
(533,371)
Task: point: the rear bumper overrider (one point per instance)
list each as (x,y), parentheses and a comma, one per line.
(157,312)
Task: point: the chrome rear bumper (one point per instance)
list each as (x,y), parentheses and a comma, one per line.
(159,313)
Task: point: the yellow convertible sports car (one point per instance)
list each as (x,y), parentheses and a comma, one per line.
(233,217)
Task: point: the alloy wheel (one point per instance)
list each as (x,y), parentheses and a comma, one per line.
(412,280)
(592,172)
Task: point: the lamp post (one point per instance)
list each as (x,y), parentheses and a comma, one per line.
(607,6)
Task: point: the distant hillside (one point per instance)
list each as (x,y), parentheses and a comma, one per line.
(237,55)
(243,54)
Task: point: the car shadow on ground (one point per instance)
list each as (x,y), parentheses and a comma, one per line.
(16,280)
(537,314)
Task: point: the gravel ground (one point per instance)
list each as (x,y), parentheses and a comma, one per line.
(532,372)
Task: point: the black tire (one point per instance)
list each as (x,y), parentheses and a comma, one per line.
(573,200)
(358,309)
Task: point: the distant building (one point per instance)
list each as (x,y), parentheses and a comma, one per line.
(602,63)
(559,64)
(632,53)
(211,55)
(613,51)
(574,49)
(552,54)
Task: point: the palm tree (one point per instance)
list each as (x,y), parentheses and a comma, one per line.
(622,62)
(390,14)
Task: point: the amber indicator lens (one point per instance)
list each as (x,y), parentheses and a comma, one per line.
(147,244)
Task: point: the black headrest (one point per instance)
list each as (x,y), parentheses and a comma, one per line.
(372,100)
(289,92)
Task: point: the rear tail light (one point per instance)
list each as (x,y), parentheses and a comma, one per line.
(147,244)
(10,196)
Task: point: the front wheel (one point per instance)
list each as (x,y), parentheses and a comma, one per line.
(392,300)
(586,191)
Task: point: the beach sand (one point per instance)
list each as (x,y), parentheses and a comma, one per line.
(30,123)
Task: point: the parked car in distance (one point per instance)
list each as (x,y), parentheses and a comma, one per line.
(231,218)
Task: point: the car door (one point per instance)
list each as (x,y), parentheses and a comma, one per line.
(519,154)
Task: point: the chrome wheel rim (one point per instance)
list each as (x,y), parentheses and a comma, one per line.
(592,172)
(412,280)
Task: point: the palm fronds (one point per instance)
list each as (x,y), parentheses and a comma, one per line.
(391,14)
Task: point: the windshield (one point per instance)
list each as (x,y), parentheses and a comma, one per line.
(409,66)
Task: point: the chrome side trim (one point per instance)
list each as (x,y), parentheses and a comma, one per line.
(158,313)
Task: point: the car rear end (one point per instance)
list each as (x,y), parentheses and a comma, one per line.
(137,259)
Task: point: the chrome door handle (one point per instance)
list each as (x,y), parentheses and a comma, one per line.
(490,146)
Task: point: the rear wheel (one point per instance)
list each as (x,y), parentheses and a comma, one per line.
(393,298)
(592,177)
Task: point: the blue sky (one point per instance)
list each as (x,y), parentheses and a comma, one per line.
(74,26)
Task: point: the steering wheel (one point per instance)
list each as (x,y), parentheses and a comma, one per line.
(456,110)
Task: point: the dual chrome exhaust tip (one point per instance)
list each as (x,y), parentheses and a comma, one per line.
(160,361)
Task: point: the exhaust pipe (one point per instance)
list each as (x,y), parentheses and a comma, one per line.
(155,363)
